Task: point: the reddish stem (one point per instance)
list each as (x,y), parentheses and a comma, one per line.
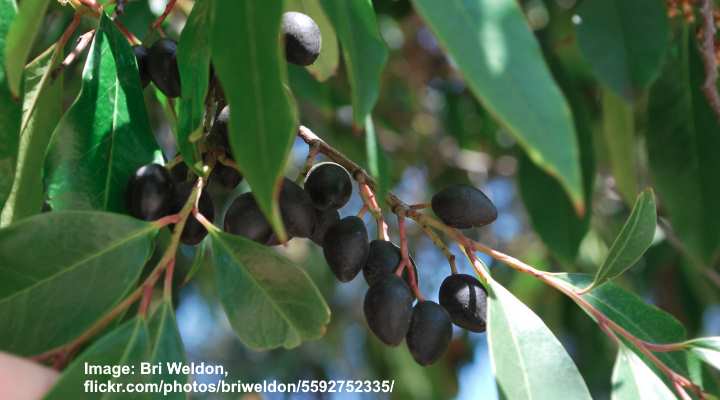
(405,263)
(161,18)
(146,299)
(128,35)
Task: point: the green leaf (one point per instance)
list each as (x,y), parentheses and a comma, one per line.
(625,42)
(42,108)
(363,50)
(269,301)
(105,135)
(634,239)
(377,160)
(166,347)
(326,64)
(619,133)
(10,109)
(682,143)
(263,119)
(20,39)
(707,349)
(633,380)
(528,361)
(128,344)
(61,271)
(194,65)
(493,47)
(200,259)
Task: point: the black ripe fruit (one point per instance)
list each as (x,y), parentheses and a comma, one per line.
(163,68)
(429,333)
(297,211)
(465,299)
(383,258)
(302,38)
(328,185)
(346,247)
(324,219)
(463,206)
(388,309)
(244,218)
(179,172)
(194,232)
(225,176)
(141,55)
(150,193)
(219,132)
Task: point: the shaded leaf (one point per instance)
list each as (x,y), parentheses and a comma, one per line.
(269,301)
(105,135)
(633,380)
(247,58)
(682,143)
(624,41)
(377,160)
(42,108)
(166,347)
(619,133)
(528,360)
(363,50)
(327,62)
(708,349)
(633,240)
(20,39)
(193,56)
(70,278)
(10,109)
(514,83)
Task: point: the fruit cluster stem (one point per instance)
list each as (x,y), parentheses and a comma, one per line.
(168,9)
(405,263)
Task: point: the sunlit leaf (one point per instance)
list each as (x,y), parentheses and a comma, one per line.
(633,380)
(708,349)
(10,109)
(20,38)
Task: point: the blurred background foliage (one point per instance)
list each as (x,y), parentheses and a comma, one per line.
(434,132)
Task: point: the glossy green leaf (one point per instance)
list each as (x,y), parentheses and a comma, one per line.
(42,108)
(263,119)
(326,64)
(105,135)
(20,38)
(200,259)
(633,380)
(682,143)
(166,347)
(624,41)
(527,359)
(493,47)
(193,57)
(363,50)
(708,349)
(633,240)
(269,301)
(619,133)
(377,160)
(128,344)
(65,278)
(10,109)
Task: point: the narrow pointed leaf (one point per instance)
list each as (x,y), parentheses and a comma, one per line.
(708,349)
(193,57)
(42,108)
(528,361)
(619,133)
(493,47)
(247,57)
(10,108)
(377,160)
(633,240)
(269,301)
(327,62)
(20,38)
(633,380)
(65,278)
(105,135)
(166,347)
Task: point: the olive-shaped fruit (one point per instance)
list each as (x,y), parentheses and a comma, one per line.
(219,131)
(194,232)
(297,211)
(244,218)
(388,309)
(141,55)
(324,219)
(225,176)
(430,332)
(328,185)
(346,247)
(463,206)
(163,68)
(302,38)
(465,299)
(150,193)
(383,258)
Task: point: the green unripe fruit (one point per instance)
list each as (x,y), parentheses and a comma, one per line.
(302,38)
(465,300)
(163,68)
(244,218)
(297,211)
(328,185)
(150,193)
(463,206)
(384,258)
(388,309)
(323,221)
(345,247)
(430,332)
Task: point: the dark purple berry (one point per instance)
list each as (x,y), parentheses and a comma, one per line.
(244,218)
(430,332)
(328,185)
(463,206)
(384,258)
(346,247)
(302,38)
(141,55)
(163,68)
(388,309)
(150,193)
(465,299)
